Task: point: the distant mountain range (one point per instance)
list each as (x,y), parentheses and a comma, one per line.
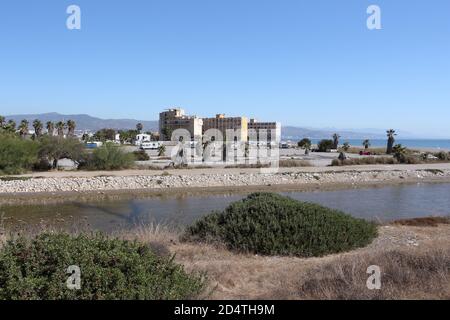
(294,133)
(86,122)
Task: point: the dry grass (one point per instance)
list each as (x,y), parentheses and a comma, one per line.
(158,237)
(248,166)
(357,150)
(422,222)
(2,239)
(408,271)
(291,163)
(405,274)
(364,161)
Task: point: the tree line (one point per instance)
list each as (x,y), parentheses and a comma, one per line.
(20,153)
(61,128)
(327,144)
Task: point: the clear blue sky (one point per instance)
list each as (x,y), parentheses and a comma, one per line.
(302,62)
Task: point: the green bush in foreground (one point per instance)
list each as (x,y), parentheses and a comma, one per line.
(110,269)
(271,224)
(16,155)
(109,157)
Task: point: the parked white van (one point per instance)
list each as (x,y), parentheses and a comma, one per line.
(153,145)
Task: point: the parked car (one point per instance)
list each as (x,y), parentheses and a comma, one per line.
(94,144)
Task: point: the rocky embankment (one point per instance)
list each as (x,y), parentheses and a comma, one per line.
(105,183)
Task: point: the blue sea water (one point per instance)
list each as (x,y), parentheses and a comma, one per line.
(410,143)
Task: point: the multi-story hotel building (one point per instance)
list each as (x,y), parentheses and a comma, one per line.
(238,124)
(173,119)
(267,131)
(243,130)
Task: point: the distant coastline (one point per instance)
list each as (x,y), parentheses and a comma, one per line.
(421,144)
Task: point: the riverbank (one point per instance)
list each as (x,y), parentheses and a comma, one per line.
(66,184)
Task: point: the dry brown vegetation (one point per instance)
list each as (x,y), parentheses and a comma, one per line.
(364,161)
(357,150)
(291,163)
(422,222)
(405,274)
(415,263)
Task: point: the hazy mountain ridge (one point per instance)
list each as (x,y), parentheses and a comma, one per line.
(290,132)
(87,122)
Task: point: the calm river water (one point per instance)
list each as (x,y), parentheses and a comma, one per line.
(386,203)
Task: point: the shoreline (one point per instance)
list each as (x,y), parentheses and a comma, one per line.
(247,183)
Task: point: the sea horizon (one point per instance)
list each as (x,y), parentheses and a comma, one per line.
(439,144)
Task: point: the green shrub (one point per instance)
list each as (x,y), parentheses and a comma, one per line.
(443,156)
(141,155)
(109,157)
(54,148)
(325,145)
(364,161)
(110,269)
(16,155)
(305,143)
(271,224)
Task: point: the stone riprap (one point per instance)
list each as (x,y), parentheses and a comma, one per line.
(104,183)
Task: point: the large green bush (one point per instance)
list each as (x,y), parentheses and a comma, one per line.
(271,224)
(16,155)
(52,149)
(110,269)
(109,157)
(325,145)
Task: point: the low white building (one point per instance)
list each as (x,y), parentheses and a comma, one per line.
(141,138)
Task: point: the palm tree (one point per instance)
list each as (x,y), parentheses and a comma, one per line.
(11,126)
(2,121)
(305,144)
(336,140)
(399,152)
(139,127)
(161,150)
(37,125)
(50,128)
(71,126)
(60,126)
(391,140)
(23,128)
(346,146)
(366,144)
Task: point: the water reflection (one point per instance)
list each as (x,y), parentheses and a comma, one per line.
(383,204)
